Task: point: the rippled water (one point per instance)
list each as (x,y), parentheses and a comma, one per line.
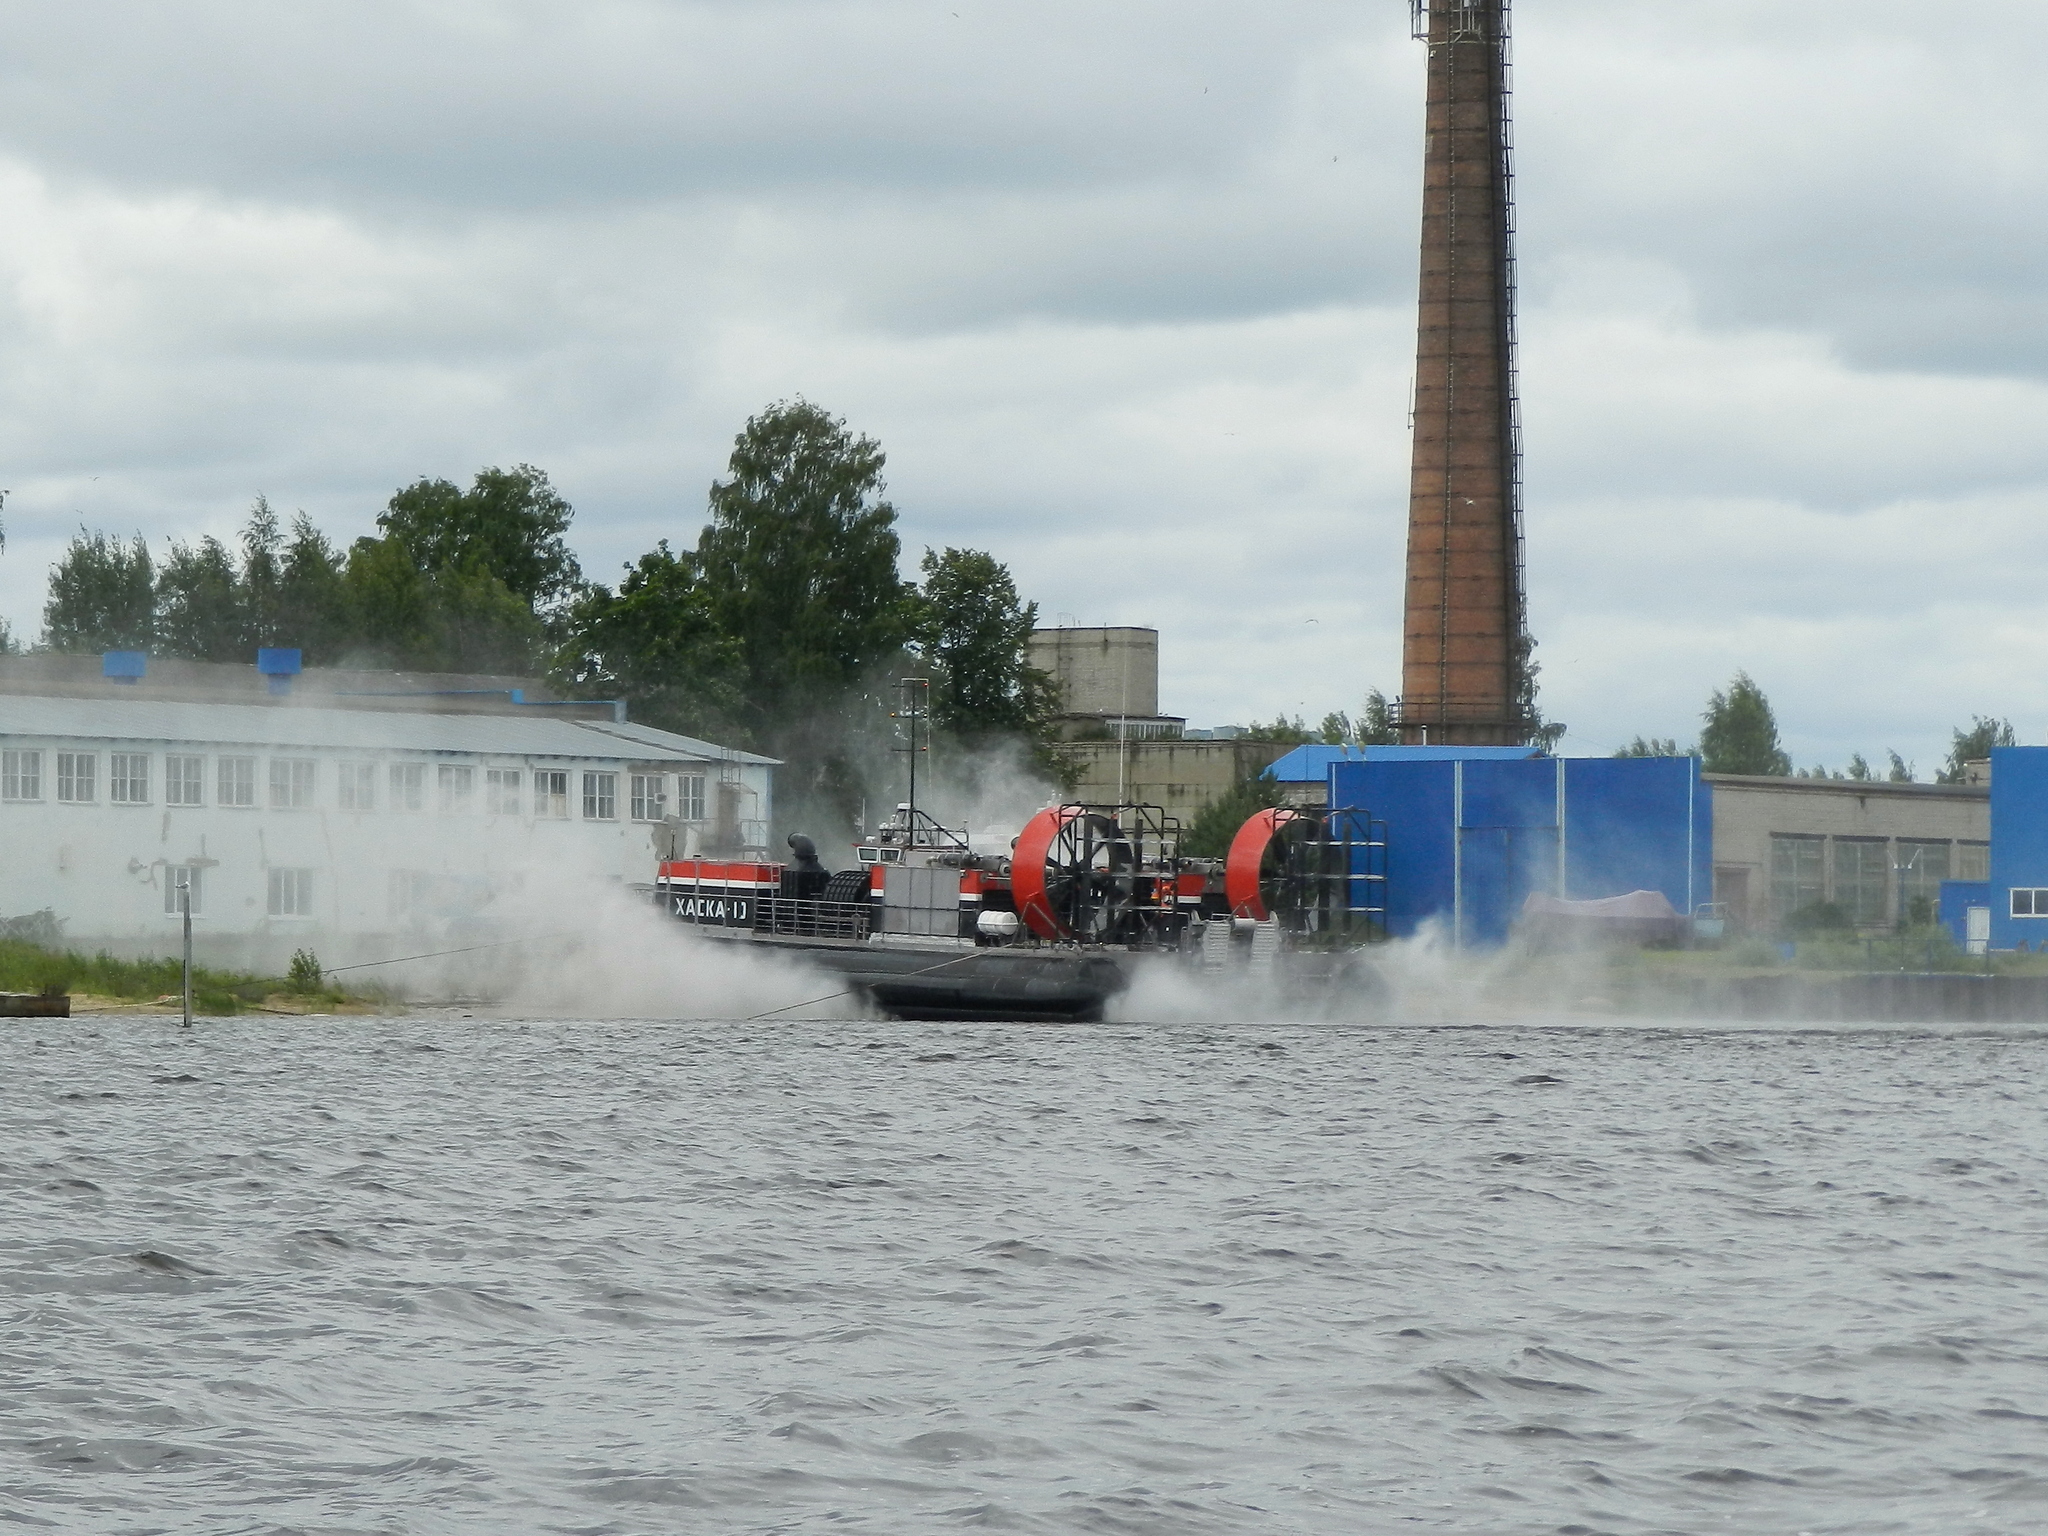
(438,1275)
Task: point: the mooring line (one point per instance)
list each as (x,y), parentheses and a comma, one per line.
(843,991)
(364,965)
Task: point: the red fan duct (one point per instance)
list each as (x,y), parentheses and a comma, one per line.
(1246,862)
(1028,867)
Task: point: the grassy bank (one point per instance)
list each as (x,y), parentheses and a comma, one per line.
(37,968)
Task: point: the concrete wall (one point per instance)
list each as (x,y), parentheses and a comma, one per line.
(1750,811)
(1109,671)
(1179,776)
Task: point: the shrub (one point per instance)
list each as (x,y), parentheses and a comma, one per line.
(304,975)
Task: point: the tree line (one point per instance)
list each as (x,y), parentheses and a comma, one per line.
(783,628)
(1739,734)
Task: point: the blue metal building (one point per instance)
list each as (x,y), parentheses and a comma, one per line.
(1311,764)
(2018,895)
(1470,837)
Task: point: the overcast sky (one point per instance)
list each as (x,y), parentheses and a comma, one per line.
(1126,292)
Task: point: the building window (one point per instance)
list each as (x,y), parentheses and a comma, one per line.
(76,773)
(128,778)
(551,794)
(183,779)
(1798,874)
(458,788)
(1973,861)
(690,796)
(21,774)
(650,796)
(176,878)
(236,781)
(408,786)
(291,783)
(356,786)
(501,791)
(411,892)
(1922,867)
(2030,901)
(600,797)
(1860,883)
(291,893)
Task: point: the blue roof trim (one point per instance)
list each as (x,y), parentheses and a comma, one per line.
(1311,764)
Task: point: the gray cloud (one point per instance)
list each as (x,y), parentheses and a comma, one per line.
(1125,291)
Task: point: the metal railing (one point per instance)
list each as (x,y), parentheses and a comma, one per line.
(808,918)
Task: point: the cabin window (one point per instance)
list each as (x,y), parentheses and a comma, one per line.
(128,778)
(1922,867)
(551,794)
(178,877)
(291,783)
(501,791)
(1798,874)
(236,781)
(690,796)
(356,786)
(21,774)
(1860,871)
(458,788)
(408,786)
(184,778)
(291,893)
(77,777)
(650,796)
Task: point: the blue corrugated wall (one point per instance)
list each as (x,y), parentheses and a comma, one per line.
(1957,897)
(2019,841)
(1467,842)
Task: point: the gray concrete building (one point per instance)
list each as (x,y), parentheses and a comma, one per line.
(1180,777)
(1876,851)
(1108,681)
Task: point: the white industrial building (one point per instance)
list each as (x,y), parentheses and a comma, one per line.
(343,811)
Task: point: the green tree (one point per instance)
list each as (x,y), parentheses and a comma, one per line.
(1374,726)
(312,600)
(1739,733)
(265,619)
(509,524)
(1969,745)
(1283,732)
(974,633)
(655,643)
(1208,835)
(200,614)
(102,596)
(1901,770)
(1542,733)
(389,604)
(798,566)
(461,619)
(1654,746)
